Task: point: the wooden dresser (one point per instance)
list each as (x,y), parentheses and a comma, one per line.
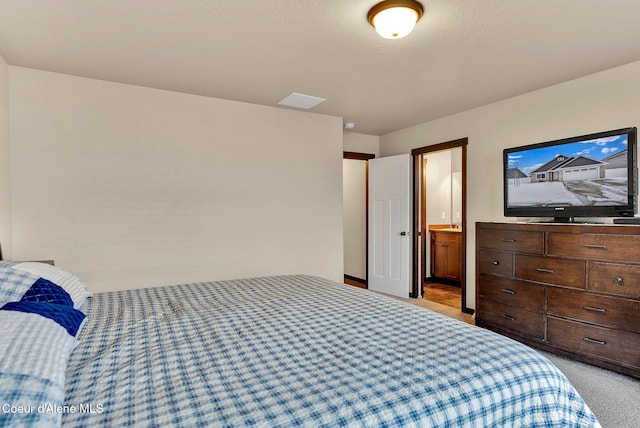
(569,289)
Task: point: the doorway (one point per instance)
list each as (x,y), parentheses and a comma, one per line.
(439,245)
(355,174)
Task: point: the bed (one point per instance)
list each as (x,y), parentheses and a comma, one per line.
(289,351)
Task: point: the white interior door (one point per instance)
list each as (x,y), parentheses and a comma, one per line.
(389,225)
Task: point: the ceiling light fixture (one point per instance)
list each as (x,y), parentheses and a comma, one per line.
(394,19)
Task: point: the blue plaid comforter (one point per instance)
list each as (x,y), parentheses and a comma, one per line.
(302,351)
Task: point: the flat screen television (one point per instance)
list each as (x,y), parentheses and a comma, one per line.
(591,175)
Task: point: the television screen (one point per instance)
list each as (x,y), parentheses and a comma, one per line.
(587,176)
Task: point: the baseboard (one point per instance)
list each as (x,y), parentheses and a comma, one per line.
(353,278)
(467,310)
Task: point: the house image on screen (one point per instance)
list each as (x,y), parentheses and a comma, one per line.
(569,168)
(515,176)
(616,165)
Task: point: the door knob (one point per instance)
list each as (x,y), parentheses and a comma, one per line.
(404,233)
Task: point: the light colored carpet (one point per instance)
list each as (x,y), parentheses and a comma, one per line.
(614,398)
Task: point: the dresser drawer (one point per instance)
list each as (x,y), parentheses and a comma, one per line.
(594,246)
(548,270)
(613,345)
(615,279)
(511,292)
(495,262)
(604,310)
(520,321)
(511,240)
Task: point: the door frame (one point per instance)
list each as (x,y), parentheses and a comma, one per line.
(419,258)
(363,157)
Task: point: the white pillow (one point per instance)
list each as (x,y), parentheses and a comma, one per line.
(77,289)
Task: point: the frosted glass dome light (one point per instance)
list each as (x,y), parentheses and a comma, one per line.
(394,19)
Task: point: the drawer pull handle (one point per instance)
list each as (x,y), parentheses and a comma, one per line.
(508,317)
(506,290)
(495,262)
(599,310)
(545,270)
(596,247)
(618,280)
(510,241)
(594,341)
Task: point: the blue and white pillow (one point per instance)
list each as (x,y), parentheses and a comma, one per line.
(34,352)
(45,291)
(39,326)
(66,316)
(77,289)
(14,284)
(34,345)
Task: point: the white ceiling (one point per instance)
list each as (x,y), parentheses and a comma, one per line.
(462,54)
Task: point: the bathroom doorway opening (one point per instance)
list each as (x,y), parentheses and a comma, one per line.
(439,247)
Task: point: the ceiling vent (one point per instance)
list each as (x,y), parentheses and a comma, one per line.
(301,101)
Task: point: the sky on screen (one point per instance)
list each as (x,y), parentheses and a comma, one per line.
(530,160)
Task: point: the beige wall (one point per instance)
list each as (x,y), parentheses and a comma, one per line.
(5,166)
(354,178)
(133,187)
(599,102)
(354,202)
(361,143)
(438,187)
